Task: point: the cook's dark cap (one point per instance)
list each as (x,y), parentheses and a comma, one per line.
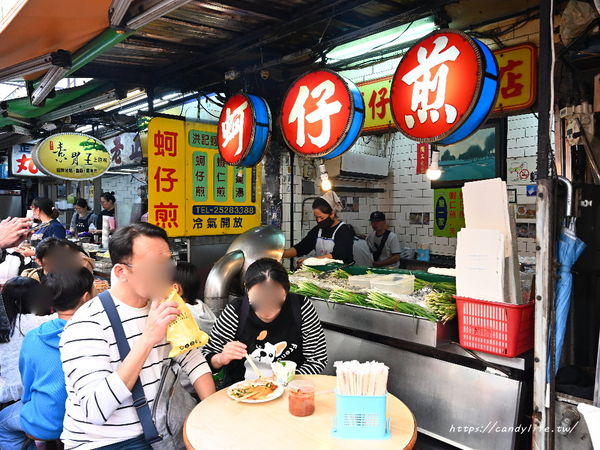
(377,216)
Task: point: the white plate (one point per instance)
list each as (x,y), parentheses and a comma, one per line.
(276,393)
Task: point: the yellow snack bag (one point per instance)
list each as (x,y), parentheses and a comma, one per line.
(183,333)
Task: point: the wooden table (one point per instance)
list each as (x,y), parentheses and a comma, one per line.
(221,423)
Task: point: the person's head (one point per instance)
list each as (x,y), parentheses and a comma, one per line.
(20,295)
(108,200)
(324,213)
(55,254)
(378,222)
(186,281)
(142,260)
(43,209)
(69,289)
(82,258)
(81,206)
(267,285)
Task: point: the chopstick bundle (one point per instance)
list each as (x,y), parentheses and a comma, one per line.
(355,378)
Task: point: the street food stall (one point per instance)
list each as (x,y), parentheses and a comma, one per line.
(228,119)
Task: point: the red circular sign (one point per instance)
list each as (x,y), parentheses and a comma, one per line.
(316,113)
(436,85)
(236,128)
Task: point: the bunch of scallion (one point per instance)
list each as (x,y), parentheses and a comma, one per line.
(442,304)
(440,286)
(341,274)
(383,301)
(344,296)
(309,290)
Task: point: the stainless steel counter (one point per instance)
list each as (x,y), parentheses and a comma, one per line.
(446,388)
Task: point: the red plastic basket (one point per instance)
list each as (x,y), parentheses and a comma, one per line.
(493,327)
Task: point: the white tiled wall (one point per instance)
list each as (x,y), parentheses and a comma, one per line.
(125,188)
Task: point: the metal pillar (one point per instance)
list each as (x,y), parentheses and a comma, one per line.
(543,395)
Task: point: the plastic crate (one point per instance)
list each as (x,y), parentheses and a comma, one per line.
(361,417)
(493,327)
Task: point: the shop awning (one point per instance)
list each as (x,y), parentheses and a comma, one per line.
(34,28)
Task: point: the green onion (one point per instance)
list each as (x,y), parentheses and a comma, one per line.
(309,290)
(440,286)
(340,274)
(442,304)
(383,301)
(344,296)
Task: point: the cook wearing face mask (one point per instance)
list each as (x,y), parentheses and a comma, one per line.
(329,238)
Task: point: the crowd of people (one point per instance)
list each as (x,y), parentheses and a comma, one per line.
(63,380)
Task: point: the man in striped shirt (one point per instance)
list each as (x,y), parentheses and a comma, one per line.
(99,407)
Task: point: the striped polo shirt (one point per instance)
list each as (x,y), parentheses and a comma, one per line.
(99,407)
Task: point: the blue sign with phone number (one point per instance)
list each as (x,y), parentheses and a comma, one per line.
(216,210)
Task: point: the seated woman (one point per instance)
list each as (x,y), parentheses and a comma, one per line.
(270,324)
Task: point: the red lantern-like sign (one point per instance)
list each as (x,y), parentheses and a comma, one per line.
(321,114)
(234,134)
(440,84)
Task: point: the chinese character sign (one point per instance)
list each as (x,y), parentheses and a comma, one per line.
(192,191)
(518,79)
(223,199)
(322,114)
(423,151)
(376,94)
(449,216)
(125,149)
(22,164)
(166,175)
(72,156)
(443,81)
(244,130)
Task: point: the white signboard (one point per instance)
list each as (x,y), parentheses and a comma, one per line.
(124,149)
(21,162)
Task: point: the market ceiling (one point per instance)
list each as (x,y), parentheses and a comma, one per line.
(221,45)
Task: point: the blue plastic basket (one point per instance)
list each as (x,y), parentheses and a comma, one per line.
(361,417)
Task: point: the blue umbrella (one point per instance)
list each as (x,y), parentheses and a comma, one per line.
(570,248)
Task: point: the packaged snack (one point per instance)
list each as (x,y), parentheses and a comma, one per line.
(183,333)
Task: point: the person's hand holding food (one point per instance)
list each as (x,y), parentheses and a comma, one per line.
(159,318)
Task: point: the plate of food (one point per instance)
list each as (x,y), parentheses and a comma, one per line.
(255,391)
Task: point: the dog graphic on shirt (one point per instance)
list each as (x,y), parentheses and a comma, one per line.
(264,355)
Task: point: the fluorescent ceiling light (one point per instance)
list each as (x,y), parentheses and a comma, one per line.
(79,107)
(52,77)
(385,39)
(117,11)
(155,12)
(84,129)
(59,58)
(131,97)
(173,96)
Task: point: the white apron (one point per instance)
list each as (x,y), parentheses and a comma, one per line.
(325,245)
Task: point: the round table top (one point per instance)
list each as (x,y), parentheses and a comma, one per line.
(221,423)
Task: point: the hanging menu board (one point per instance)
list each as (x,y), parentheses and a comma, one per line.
(193,192)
